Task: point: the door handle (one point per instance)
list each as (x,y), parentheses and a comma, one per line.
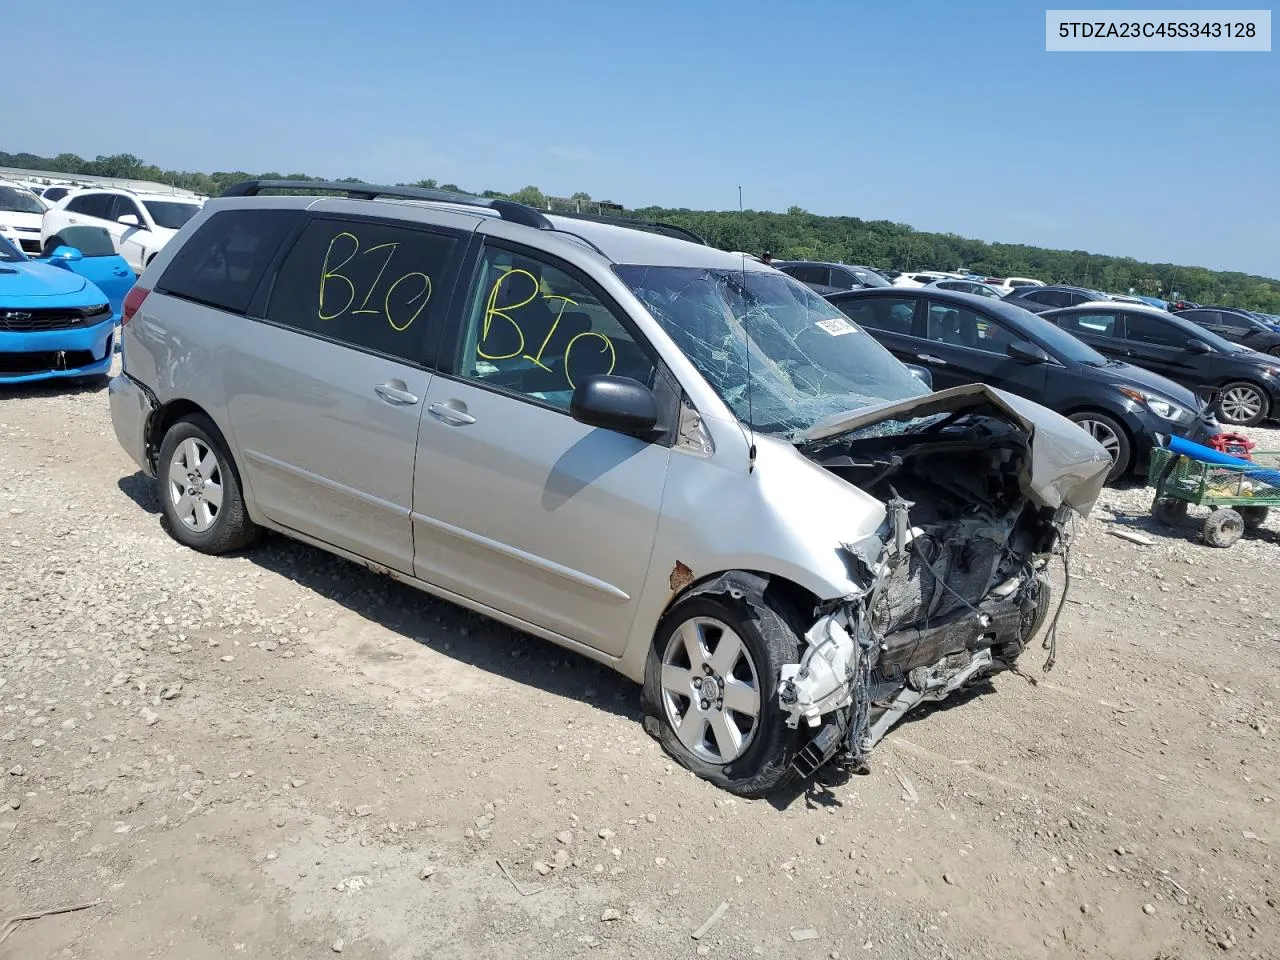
(930,358)
(72,220)
(120,272)
(394,392)
(455,416)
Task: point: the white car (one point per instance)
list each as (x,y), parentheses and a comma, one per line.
(21,213)
(920,278)
(140,224)
(1010,284)
(974,287)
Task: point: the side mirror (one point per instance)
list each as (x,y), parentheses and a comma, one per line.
(1025,352)
(129,220)
(1198,346)
(923,374)
(66,254)
(614,403)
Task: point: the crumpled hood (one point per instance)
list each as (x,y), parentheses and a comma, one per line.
(20,282)
(1067,466)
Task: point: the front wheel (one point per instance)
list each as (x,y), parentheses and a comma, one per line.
(1242,404)
(1111,435)
(711,687)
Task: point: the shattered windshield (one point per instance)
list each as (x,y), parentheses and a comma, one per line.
(808,361)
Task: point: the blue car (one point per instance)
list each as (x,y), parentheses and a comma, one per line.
(54,322)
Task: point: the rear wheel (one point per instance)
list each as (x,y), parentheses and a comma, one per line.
(1111,435)
(200,490)
(711,685)
(1242,404)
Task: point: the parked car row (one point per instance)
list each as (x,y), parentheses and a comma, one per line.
(59,314)
(961,338)
(139,224)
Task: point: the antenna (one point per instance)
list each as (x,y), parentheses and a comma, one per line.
(751,413)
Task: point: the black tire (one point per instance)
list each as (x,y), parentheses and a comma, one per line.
(764,767)
(1253,517)
(230,528)
(1238,419)
(1222,528)
(1275,351)
(1169,511)
(1098,424)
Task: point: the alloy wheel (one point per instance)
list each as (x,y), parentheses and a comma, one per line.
(710,690)
(1241,404)
(1103,434)
(195,484)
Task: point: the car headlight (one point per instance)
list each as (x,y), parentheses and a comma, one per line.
(1163,408)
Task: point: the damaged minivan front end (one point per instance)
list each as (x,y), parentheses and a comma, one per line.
(979,488)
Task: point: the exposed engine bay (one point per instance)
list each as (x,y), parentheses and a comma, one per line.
(957,580)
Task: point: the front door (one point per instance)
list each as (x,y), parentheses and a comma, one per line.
(516,504)
(1161,347)
(971,347)
(325,397)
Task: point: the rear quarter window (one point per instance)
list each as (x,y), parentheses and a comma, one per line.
(222,263)
(369,284)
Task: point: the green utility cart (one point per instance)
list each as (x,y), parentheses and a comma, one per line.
(1238,498)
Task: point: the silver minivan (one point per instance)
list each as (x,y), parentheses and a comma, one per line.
(672,459)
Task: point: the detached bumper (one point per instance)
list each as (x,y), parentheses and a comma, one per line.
(49,354)
(131,409)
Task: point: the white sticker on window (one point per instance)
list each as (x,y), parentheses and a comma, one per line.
(837,326)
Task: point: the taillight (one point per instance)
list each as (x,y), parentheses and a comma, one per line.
(132,303)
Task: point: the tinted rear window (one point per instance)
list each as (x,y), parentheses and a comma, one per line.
(223,262)
(369,284)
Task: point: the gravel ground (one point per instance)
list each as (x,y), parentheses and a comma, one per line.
(282,755)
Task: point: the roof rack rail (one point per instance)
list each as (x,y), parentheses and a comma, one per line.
(506,209)
(650,226)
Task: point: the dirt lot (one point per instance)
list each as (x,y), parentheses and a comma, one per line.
(281,755)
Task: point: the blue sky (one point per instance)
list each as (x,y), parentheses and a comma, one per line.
(942,115)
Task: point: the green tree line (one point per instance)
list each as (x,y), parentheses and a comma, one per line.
(800,235)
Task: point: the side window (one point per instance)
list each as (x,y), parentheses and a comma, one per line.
(225,259)
(1035,296)
(1234,322)
(375,286)
(92,205)
(891,314)
(122,205)
(811,274)
(1089,324)
(535,330)
(964,328)
(844,280)
(1203,318)
(1151,330)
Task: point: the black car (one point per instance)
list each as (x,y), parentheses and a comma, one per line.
(1238,326)
(1247,383)
(827,278)
(1052,296)
(962,338)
